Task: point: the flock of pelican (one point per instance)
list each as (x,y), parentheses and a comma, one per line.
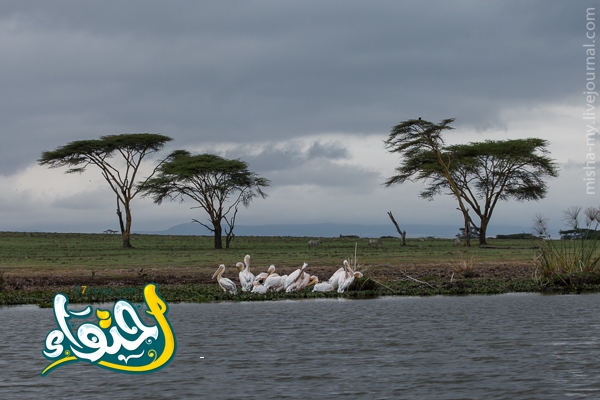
(271,281)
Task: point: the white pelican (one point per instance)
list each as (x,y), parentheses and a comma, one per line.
(340,275)
(258,288)
(348,281)
(263,275)
(313,281)
(337,275)
(274,281)
(226,284)
(323,287)
(302,282)
(246,277)
(297,284)
(281,285)
(294,276)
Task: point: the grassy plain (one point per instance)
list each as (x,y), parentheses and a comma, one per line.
(34,266)
(47,252)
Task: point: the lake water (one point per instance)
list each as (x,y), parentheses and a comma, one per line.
(515,346)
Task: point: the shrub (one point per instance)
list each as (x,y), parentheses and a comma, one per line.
(466,266)
(555,260)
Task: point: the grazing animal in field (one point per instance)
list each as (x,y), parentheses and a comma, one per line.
(313,243)
(375,242)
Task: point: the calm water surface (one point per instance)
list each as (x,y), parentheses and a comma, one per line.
(516,346)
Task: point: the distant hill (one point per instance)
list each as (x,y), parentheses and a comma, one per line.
(334,230)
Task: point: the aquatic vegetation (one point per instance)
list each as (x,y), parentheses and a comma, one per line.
(361,289)
(567,261)
(573,261)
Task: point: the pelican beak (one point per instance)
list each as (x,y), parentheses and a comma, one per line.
(221,267)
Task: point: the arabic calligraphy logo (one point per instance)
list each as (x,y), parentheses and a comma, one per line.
(120,342)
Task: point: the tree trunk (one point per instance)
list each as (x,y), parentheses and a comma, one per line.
(402,234)
(229,235)
(467,230)
(120,216)
(482,231)
(228,239)
(218,239)
(127,232)
(127,241)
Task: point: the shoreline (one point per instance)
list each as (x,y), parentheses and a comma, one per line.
(195,286)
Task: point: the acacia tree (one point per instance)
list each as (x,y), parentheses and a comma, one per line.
(132,149)
(484,173)
(494,170)
(421,144)
(217,184)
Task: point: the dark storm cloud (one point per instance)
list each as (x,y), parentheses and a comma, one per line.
(320,172)
(317,165)
(248,71)
(276,157)
(331,151)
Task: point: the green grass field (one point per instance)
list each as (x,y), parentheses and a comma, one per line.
(57,251)
(33,266)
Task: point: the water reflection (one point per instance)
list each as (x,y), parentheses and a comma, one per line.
(508,346)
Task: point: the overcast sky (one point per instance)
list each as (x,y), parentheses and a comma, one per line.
(304,91)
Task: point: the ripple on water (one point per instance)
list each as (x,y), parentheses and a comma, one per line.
(524,346)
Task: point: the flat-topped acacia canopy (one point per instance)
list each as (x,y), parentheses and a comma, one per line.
(132,147)
(478,174)
(217,184)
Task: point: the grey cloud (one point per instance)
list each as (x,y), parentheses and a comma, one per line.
(580,165)
(330,151)
(291,165)
(344,178)
(263,70)
(276,157)
(270,157)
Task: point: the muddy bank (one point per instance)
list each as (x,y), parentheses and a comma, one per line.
(33,280)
